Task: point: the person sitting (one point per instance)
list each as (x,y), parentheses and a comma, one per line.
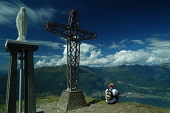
(111,95)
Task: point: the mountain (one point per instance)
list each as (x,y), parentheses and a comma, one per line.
(155,72)
(1,74)
(160,72)
(132,81)
(53,80)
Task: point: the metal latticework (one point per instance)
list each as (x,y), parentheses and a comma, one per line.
(73,58)
(74,35)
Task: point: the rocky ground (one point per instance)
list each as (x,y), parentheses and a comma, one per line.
(105,108)
(49,105)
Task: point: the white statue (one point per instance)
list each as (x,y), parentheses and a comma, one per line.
(22,24)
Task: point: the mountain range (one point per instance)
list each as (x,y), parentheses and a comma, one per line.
(135,81)
(1,74)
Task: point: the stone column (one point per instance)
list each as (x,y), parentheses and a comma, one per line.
(11,83)
(29,96)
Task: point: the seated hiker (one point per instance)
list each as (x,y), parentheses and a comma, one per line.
(111,95)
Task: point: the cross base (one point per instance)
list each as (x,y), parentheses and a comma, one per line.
(70,100)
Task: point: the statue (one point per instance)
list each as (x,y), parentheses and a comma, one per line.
(22,24)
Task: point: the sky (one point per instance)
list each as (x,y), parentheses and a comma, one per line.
(128,31)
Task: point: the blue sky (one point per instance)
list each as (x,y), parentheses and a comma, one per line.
(128,31)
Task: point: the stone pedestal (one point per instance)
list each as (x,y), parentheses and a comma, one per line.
(70,100)
(14,47)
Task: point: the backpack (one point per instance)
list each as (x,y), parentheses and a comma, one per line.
(109,94)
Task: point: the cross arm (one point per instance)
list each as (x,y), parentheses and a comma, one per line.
(87,35)
(57,28)
(62,30)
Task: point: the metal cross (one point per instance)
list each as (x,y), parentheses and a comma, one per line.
(74,34)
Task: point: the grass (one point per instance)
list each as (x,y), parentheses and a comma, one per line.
(2,108)
(39,100)
(46,99)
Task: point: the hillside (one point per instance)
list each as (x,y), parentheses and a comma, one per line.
(53,80)
(131,81)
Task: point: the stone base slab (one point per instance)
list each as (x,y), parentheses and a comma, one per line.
(70,100)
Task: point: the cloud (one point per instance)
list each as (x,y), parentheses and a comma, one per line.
(160,51)
(63,39)
(129,57)
(100,45)
(121,42)
(9,11)
(138,41)
(89,55)
(51,60)
(64,12)
(156,52)
(4,54)
(54,45)
(116,46)
(2,41)
(161,35)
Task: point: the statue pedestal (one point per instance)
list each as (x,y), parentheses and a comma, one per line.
(70,100)
(14,47)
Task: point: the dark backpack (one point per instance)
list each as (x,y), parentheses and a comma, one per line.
(109,94)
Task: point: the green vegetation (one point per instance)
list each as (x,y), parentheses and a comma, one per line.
(2,108)
(46,99)
(39,101)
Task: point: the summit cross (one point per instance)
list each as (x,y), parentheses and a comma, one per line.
(73,33)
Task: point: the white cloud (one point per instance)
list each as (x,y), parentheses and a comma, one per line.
(160,51)
(100,45)
(157,52)
(51,60)
(116,46)
(64,12)
(161,35)
(4,54)
(88,54)
(63,39)
(121,42)
(92,56)
(54,45)
(130,57)
(9,11)
(2,42)
(138,41)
